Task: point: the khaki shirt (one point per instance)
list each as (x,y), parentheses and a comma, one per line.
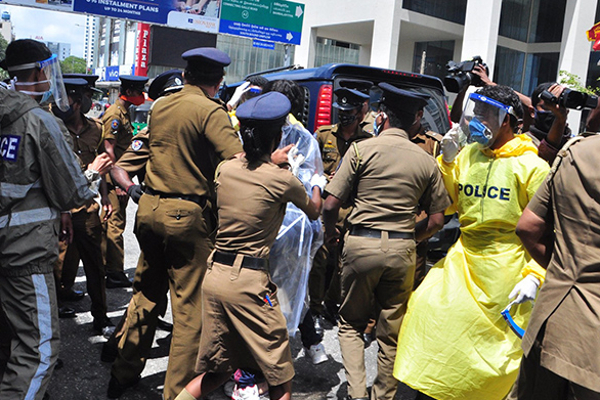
(333,146)
(430,142)
(134,160)
(569,301)
(88,140)
(86,143)
(251,204)
(117,127)
(191,134)
(387,180)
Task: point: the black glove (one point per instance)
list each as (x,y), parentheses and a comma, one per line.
(135,192)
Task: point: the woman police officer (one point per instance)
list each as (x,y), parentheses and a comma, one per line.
(243,324)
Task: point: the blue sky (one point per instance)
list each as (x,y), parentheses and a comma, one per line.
(52,26)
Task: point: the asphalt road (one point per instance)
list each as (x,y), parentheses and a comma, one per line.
(84,376)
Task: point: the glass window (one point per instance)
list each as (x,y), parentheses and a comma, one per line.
(514,19)
(523,72)
(449,10)
(540,68)
(333,51)
(593,78)
(437,54)
(547,21)
(248,59)
(509,68)
(533,21)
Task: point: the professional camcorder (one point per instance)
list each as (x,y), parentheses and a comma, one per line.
(571,99)
(460,74)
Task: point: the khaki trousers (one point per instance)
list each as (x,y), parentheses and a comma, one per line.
(86,246)
(380,272)
(538,383)
(174,238)
(29,335)
(112,242)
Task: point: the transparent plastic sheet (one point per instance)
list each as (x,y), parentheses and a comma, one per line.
(299,238)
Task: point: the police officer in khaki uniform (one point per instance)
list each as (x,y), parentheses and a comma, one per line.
(190,135)
(139,332)
(430,142)
(87,228)
(117,137)
(386,178)
(244,324)
(88,92)
(334,141)
(560,229)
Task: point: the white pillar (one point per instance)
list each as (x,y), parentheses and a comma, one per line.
(386,34)
(482,22)
(305,53)
(575,48)
(364,54)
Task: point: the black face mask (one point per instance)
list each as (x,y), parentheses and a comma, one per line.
(544,120)
(64,115)
(346,119)
(86,104)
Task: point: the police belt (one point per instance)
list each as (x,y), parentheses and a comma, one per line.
(201,201)
(358,230)
(249,262)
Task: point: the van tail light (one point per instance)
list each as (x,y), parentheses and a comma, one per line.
(324,106)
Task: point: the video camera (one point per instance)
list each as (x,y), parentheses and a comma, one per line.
(571,99)
(460,74)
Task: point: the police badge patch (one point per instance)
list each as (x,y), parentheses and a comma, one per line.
(114,124)
(136,145)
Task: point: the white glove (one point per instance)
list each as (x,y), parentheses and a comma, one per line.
(318,180)
(237,95)
(525,290)
(449,145)
(295,160)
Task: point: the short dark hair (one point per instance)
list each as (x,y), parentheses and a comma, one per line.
(258,139)
(258,80)
(506,96)
(292,91)
(198,76)
(400,120)
(535,96)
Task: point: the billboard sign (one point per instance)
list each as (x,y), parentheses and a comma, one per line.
(267,20)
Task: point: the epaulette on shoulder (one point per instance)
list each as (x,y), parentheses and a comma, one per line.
(563,151)
(96,121)
(324,128)
(434,135)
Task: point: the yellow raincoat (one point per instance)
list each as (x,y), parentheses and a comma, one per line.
(454,344)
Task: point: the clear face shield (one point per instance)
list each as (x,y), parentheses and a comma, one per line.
(481,120)
(56,89)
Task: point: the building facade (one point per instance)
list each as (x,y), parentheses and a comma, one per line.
(6,26)
(523,42)
(62,50)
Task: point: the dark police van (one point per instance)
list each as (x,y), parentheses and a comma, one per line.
(320,83)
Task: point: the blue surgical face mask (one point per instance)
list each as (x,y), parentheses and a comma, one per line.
(480,133)
(377,128)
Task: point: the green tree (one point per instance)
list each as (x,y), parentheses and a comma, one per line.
(3,46)
(573,81)
(73,64)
